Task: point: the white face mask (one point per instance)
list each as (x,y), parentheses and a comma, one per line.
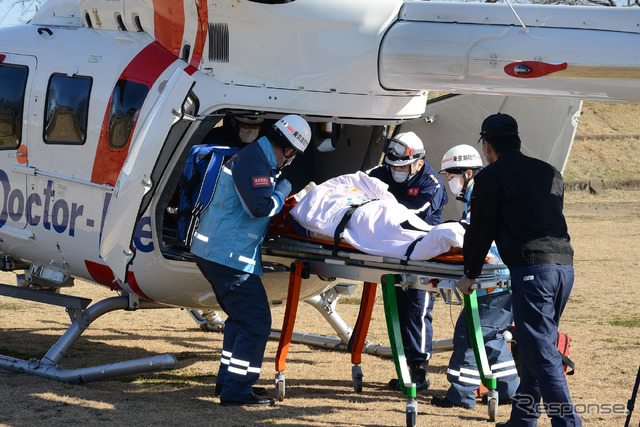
(247,135)
(399,177)
(455,185)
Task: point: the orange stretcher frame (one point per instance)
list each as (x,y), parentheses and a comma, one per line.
(298,272)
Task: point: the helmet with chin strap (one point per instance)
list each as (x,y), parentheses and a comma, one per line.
(457,161)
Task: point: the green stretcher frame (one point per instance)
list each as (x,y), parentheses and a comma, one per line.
(477,341)
(395,337)
(397,348)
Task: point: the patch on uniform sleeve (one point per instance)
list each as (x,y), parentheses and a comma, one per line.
(413,191)
(260,181)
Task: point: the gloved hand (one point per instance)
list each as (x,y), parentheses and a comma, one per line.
(284,187)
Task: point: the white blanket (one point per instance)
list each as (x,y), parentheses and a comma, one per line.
(375,227)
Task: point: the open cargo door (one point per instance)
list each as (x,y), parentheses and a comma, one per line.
(547,128)
(135,186)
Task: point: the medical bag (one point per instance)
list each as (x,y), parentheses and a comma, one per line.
(197,185)
(563,342)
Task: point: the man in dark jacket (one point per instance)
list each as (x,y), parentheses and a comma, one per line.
(517,201)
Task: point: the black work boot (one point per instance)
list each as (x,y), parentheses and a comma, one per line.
(419,375)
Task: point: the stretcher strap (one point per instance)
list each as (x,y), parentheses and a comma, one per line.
(343,223)
(407,254)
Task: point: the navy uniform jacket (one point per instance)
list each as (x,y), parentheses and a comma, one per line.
(424,194)
(517,201)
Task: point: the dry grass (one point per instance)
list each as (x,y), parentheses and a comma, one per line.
(602,317)
(607,144)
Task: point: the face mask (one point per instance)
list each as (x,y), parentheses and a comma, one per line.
(247,135)
(455,186)
(399,177)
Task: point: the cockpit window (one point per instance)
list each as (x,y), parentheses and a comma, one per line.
(126,100)
(67,109)
(13,83)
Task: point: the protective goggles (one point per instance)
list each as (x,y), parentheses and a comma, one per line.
(400,151)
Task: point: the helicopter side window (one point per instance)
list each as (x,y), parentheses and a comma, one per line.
(13,83)
(126,100)
(67,109)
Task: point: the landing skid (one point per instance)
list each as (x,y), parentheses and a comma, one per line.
(82,315)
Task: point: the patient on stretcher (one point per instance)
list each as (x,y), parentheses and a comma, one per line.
(359,209)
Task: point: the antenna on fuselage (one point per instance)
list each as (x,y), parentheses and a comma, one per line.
(526,31)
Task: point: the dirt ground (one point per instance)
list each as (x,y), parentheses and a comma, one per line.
(602,317)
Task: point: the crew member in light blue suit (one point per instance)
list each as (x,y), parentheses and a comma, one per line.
(227,245)
(461,163)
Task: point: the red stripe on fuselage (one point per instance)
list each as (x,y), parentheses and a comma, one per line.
(102,274)
(145,68)
(201,36)
(168,24)
(133,284)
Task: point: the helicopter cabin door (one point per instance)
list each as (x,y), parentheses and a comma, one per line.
(136,184)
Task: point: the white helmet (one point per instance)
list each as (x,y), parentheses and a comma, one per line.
(296,130)
(461,157)
(404,149)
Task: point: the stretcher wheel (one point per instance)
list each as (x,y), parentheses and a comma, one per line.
(492,405)
(412,412)
(280,386)
(356,374)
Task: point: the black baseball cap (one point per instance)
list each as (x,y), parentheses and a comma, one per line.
(501,130)
(499,125)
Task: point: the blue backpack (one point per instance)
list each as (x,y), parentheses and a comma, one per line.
(197,185)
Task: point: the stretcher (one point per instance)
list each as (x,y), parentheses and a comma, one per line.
(438,276)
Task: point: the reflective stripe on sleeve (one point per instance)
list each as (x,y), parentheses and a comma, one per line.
(246,260)
(422,209)
(201,237)
(276,207)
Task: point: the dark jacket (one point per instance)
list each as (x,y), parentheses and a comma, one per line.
(517,201)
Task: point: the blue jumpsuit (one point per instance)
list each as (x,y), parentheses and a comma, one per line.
(495,316)
(227,245)
(425,195)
